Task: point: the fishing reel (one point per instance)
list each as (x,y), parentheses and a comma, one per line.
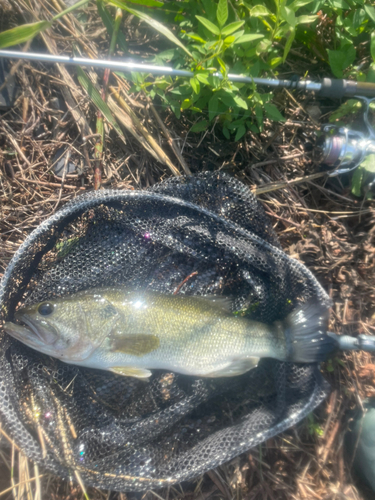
(343,149)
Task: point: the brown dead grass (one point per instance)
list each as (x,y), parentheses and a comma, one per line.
(317,219)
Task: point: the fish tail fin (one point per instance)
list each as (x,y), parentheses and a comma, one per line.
(306,334)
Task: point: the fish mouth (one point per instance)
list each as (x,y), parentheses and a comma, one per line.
(35,335)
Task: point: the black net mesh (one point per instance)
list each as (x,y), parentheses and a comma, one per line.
(122,433)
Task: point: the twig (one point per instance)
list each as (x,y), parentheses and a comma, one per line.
(171,142)
(274,186)
(162,156)
(53,184)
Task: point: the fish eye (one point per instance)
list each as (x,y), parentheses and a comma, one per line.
(45,309)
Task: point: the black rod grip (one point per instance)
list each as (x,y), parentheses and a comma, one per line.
(346,88)
(338,88)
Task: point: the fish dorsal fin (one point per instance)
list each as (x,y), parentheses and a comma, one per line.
(136,344)
(130,371)
(219,301)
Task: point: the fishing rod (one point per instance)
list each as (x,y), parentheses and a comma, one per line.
(341,149)
(327,88)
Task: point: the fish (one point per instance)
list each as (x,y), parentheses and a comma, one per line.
(132,332)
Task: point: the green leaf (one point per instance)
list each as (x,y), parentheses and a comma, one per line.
(175,105)
(349,107)
(213,105)
(209,25)
(368,163)
(358,17)
(341,59)
(288,15)
(273,113)
(151,22)
(289,43)
(305,19)
(194,82)
(229,40)
(372,46)
(240,102)
(226,98)
(241,131)
(202,78)
(357,181)
(214,81)
(259,11)
(248,38)
(370,11)
(22,33)
(96,98)
(318,4)
(297,4)
(186,103)
(222,12)
(200,126)
(209,8)
(263,46)
(226,133)
(196,37)
(339,4)
(275,61)
(231,28)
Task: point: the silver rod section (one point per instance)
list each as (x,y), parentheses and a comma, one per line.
(97,63)
(128,66)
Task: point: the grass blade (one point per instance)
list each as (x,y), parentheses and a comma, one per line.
(151,22)
(70,9)
(22,33)
(147,3)
(96,98)
(109,24)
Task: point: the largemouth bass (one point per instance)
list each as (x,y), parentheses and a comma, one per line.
(131,332)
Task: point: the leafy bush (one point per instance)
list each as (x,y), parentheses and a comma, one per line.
(253,39)
(212,38)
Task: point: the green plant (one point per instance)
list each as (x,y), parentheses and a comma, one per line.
(314,429)
(221,39)
(363,175)
(215,37)
(249,38)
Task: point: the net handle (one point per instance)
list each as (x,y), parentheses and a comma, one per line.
(360,343)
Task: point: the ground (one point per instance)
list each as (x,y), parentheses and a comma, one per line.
(316,217)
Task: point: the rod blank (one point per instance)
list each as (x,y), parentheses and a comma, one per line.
(328,88)
(128,66)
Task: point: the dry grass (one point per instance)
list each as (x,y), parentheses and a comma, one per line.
(316,218)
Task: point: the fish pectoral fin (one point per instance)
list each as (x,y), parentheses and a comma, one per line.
(136,344)
(130,371)
(237,367)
